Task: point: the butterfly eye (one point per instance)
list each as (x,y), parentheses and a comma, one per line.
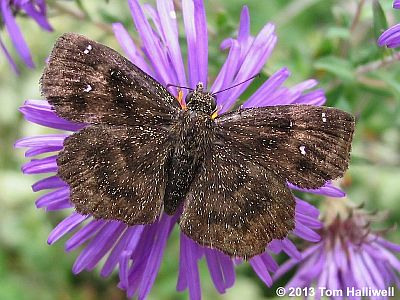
(213,101)
(189,97)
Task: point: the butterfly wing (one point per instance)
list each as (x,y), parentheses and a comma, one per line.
(88,82)
(236,205)
(306,145)
(116,172)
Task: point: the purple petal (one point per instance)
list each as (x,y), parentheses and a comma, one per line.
(308,221)
(84,234)
(151,43)
(303,86)
(384,254)
(98,246)
(130,48)
(244,26)
(306,208)
(327,190)
(42,165)
(290,249)
(215,270)
(396,4)
(131,234)
(323,280)
(140,256)
(368,276)
(153,263)
(40,112)
(15,34)
(259,267)
(38,16)
(228,70)
(48,183)
(124,271)
(306,233)
(57,198)
(288,265)
(40,150)
(340,257)
(65,226)
(169,27)
(8,57)
(390,37)
(387,244)
(373,270)
(356,268)
(263,94)
(201,41)
(310,269)
(190,268)
(269,262)
(41,140)
(181,284)
(228,269)
(150,11)
(275,246)
(253,61)
(190,30)
(316,97)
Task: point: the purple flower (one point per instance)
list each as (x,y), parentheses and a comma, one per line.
(36,9)
(350,257)
(391,37)
(138,250)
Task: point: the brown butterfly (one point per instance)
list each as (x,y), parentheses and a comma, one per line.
(141,153)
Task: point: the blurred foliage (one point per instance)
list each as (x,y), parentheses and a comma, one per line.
(333,41)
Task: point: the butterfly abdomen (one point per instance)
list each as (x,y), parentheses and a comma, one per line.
(193,134)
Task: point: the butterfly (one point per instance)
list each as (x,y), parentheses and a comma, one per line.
(142,153)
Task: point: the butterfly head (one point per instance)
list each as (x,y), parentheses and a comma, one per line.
(199,100)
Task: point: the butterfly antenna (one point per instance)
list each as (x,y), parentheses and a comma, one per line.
(178,86)
(252,77)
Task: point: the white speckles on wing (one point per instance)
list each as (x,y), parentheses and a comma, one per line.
(88,88)
(88,49)
(302,150)
(323,117)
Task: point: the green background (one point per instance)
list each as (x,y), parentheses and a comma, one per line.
(321,39)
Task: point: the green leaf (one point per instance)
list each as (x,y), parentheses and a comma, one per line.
(379,19)
(82,8)
(337,66)
(392,82)
(338,32)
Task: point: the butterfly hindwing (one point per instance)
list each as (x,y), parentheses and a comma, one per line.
(116,172)
(236,205)
(306,145)
(88,82)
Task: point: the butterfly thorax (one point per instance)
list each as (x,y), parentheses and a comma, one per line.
(194,132)
(200,101)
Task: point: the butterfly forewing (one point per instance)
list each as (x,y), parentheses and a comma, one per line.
(115,166)
(306,145)
(88,82)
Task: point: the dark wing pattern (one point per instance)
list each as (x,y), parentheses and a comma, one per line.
(116,172)
(237,205)
(306,145)
(88,82)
